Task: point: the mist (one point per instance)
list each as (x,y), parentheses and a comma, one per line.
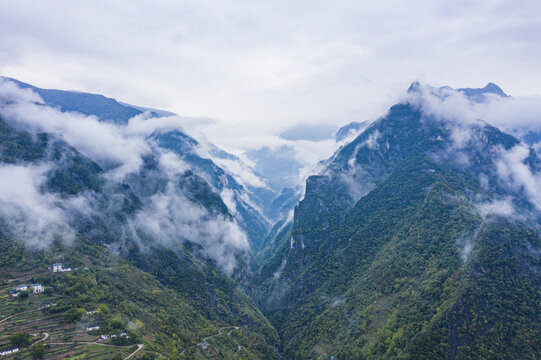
(166,217)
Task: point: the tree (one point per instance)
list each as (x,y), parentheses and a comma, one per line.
(20,339)
(38,351)
(75,314)
(115,323)
(24,294)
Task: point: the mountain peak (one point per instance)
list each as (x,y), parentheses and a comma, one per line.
(478,94)
(415,87)
(494,89)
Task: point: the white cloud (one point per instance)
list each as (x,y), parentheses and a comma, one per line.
(242,172)
(460,116)
(514,172)
(511,114)
(168,217)
(497,207)
(171,219)
(31,216)
(117,148)
(10,92)
(265,67)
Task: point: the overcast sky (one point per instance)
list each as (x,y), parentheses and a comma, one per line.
(262,66)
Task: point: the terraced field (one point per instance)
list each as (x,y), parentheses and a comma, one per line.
(62,340)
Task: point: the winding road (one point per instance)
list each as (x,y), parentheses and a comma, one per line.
(139,347)
(206,338)
(46,335)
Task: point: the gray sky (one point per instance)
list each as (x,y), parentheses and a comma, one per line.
(259,67)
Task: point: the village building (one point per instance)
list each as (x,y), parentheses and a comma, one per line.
(93,328)
(90,312)
(204,345)
(9,351)
(59,268)
(112,336)
(22,288)
(37,288)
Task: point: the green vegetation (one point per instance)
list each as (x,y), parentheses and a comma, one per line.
(38,351)
(388,257)
(20,339)
(166,299)
(127,299)
(411,271)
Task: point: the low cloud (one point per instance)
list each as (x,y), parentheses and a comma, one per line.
(515,173)
(496,208)
(170,219)
(34,217)
(465,118)
(166,216)
(514,115)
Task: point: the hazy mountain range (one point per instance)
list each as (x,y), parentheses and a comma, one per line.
(419,238)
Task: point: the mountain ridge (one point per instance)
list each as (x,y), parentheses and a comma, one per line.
(406,174)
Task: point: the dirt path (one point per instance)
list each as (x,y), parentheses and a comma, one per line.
(139,347)
(45,337)
(220,332)
(206,338)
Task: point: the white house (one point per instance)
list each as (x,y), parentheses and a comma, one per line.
(104,337)
(8,351)
(37,288)
(91,312)
(92,328)
(21,288)
(59,268)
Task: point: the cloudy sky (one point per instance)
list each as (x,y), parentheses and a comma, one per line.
(259,67)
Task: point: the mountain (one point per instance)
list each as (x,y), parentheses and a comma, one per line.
(479,94)
(418,240)
(353,128)
(106,109)
(246,203)
(141,218)
(278,165)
